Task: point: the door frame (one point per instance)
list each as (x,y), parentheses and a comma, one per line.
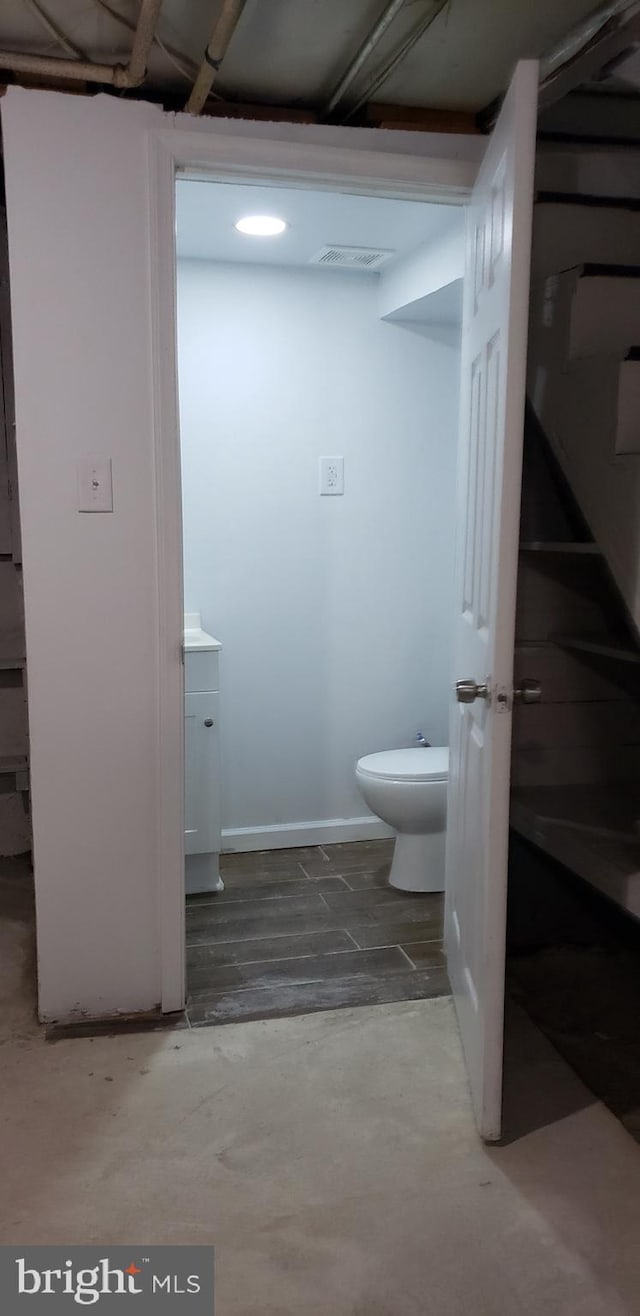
(198,152)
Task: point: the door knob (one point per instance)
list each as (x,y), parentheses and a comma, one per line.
(208,721)
(468,690)
(528,692)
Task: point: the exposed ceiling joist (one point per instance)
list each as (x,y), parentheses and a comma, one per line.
(580,54)
(417,118)
(577,61)
(222,109)
(295,59)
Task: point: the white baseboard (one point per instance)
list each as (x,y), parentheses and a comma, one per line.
(327,831)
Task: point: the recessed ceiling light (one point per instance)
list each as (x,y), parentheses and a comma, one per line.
(261,226)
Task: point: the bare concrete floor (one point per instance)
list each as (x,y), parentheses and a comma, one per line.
(332,1158)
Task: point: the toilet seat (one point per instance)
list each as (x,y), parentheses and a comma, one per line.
(421,764)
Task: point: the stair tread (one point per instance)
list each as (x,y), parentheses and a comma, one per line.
(13,762)
(583,548)
(545,197)
(547,136)
(591,829)
(600,270)
(607,646)
(613,808)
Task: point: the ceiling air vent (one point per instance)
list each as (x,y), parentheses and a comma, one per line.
(351,258)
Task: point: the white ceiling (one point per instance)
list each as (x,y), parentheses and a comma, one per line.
(207,212)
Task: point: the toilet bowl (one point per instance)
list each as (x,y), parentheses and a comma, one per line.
(407,788)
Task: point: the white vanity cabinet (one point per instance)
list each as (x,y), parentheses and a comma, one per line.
(202,758)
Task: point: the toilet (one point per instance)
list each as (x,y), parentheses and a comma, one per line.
(407,788)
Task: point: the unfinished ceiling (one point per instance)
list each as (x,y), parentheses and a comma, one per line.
(325,59)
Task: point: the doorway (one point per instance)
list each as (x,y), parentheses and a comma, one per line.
(319,620)
(145,624)
(496,282)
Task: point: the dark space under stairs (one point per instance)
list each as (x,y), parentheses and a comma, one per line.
(591,826)
(576,763)
(574,872)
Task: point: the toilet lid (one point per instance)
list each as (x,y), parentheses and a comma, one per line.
(421,764)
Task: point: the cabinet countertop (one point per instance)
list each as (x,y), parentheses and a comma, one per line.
(199,641)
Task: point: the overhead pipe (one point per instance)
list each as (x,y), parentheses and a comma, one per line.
(143,40)
(558,67)
(217,47)
(381,74)
(575,41)
(124,77)
(369,44)
(187,67)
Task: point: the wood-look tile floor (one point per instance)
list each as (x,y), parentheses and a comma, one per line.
(317,928)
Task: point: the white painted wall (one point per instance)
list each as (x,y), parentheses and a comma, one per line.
(78,202)
(425,272)
(334,613)
(78,252)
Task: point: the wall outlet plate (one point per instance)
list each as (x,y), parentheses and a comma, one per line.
(331,476)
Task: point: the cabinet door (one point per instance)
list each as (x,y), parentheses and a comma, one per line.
(202,773)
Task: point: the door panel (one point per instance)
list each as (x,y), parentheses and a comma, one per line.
(202,794)
(493,371)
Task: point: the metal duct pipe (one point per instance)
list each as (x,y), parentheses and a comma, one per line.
(224,28)
(368,45)
(579,55)
(579,37)
(381,74)
(115,75)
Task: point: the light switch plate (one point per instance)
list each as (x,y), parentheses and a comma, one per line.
(95,484)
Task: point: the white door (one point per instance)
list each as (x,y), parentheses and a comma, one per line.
(494,346)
